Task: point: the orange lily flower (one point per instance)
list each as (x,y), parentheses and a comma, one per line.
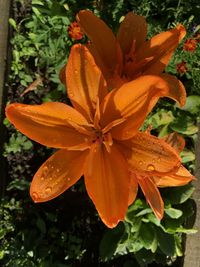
(149,184)
(128,55)
(98,137)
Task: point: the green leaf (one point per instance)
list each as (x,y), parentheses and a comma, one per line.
(180,194)
(178,245)
(2,253)
(133,244)
(166,242)
(162,117)
(144,212)
(154,244)
(147,234)
(138,204)
(187,156)
(110,240)
(184,125)
(186,231)
(135,223)
(12,22)
(144,257)
(173,213)
(192,104)
(37,2)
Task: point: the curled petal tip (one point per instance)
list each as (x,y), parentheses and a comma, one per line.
(182,30)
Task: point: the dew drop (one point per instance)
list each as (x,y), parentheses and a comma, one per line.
(71,94)
(45,168)
(140,162)
(57,170)
(35,196)
(48,190)
(50,178)
(76,71)
(68,179)
(159,159)
(150,167)
(42,178)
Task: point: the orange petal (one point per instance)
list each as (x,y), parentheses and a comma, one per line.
(85,83)
(133,29)
(102,38)
(161,47)
(181,177)
(133,189)
(57,174)
(107,182)
(132,101)
(175,140)
(50,124)
(152,195)
(148,155)
(176,90)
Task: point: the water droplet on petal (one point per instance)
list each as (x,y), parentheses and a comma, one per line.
(45,169)
(50,178)
(68,179)
(150,167)
(35,196)
(140,162)
(159,159)
(57,170)
(76,71)
(42,178)
(48,190)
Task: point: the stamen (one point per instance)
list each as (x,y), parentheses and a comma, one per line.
(107,140)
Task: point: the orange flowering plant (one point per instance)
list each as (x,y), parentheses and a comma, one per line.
(99,138)
(74,31)
(128,55)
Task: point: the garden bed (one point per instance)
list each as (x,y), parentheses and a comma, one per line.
(67,230)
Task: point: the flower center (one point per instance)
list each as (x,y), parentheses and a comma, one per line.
(103,138)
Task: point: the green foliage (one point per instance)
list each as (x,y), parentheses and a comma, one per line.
(17,142)
(144,236)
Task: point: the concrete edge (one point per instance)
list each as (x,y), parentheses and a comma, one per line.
(4,28)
